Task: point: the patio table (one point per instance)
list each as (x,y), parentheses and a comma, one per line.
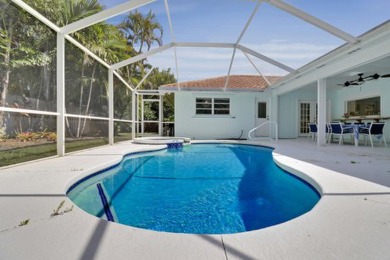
(355,128)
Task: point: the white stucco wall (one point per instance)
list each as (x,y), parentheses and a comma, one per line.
(288,104)
(242,115)
(285,109)
(288,111)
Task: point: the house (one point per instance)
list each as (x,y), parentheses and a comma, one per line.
(349,83)
(206,109)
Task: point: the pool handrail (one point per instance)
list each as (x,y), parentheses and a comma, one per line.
(261,125)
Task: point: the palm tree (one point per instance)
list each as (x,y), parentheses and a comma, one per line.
(62,13)
(152,30)
(90,37)
(37,54)
(15,51)
(141,30)
(111,47)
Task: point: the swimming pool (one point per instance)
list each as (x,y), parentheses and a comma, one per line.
(199,189)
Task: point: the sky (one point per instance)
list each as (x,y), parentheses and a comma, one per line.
(272,32)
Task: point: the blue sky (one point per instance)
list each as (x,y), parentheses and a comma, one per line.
(273,32)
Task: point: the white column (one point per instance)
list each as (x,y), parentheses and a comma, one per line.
(133,114)
(138,113)
(321,120)
(60,94)
(142,115)
(275,114)
(269,118)
(160,116)
(111,106)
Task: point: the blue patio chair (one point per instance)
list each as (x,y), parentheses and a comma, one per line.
(374,129)
(337,129)
(312,131)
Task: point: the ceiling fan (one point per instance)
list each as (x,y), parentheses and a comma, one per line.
(362,79)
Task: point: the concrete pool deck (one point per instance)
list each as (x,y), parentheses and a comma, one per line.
(351,221)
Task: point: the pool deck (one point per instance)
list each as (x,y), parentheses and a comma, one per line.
(351,221)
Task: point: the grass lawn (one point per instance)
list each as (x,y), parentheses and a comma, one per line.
(28,153)
(122,137)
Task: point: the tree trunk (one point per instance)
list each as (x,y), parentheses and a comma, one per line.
(46,76)
(45,87)
(81,96)
(89,97)
(68,127)
(5,79)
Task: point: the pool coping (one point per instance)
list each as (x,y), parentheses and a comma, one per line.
(350,221)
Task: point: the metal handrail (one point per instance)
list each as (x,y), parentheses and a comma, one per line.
(261,125)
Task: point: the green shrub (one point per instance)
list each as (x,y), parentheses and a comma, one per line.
(34,136)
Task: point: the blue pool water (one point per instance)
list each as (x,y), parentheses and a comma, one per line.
(200,189)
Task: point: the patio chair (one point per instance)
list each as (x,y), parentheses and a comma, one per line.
(337,129)
(312,131)
(374,129)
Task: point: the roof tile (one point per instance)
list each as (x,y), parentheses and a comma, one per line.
(248,82)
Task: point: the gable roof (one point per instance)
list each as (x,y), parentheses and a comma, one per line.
(235,83)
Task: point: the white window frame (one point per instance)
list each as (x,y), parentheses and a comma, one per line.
(212,108)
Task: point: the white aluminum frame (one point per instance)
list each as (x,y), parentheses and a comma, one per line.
(111,106)
(254,12)
(103,15)
(60,94)
(313,20)
(133,114)
(144,78)
(266,59)
(160,112)
(37,15)
(63,35)
(28,111)
(141,56)
(87,117)
(201,45)
(123,81)
(173,39)
(258,71)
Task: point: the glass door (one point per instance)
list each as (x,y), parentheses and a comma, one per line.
(307,114)
(261,117)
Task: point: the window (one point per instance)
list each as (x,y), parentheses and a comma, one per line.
(204,106)
(364,107)
(212,106)
(261,110)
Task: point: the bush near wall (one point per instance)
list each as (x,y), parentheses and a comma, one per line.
(34,136)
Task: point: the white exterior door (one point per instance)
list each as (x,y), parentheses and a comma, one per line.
(307,114)
(261,117)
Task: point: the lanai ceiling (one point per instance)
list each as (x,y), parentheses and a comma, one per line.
(380,67)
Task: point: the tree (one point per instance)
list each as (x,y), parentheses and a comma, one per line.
(140,30)
(111,45)
(66,12)
(15,51)
(28,54)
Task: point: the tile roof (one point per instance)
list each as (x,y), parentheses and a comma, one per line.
(236,82)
